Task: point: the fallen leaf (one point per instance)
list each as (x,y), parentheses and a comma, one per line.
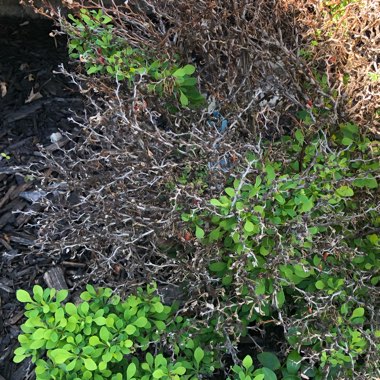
(33,96)
(3,88)
(30,77)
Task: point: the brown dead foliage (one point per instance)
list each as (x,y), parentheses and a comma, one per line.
(117,198)
(248,53)
(115,204)
(348,48)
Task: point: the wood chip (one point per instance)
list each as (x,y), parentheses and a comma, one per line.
(55,278)
(19,189)
(33,96)
(22,240)
(3,89)
(7,196)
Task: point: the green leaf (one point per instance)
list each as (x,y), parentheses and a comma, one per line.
(100,321)
(219,266)
(370,182)
(92,70)
(260,287)
(149,359)
(247,362)
(249,226)
(106,19)
(19,358)
(160,325)
(270,360)
(128,343)
(90,364)
(158,307)
(104,334)
(158,373)
(350,131)
(60,355)
(39,334)
(299,136)
(307,203)
(215,234)
(293,362)
(320,285)
(347,141)
(88,350)
(271,175)
(140,322)
(344,309)
(230,191)
(215,202)
(84,307)
(107,356)
(23,296)
(183,99)
(160,361)
(198,355)
(71,365)
(62,295)
(86,296)
(94,340)
(131,370)
(130,329)
(186,70)
(179,371)
(20,351)
(189,82)
(280,199)
(199,232)
(36,344)
(280,298)
(38,293)
(70,308)
(344,191)
(300,271)
(189,69)
(267,372)
(358,312)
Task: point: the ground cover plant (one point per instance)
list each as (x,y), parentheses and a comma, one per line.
(106,338)
(93,42)
(255,216)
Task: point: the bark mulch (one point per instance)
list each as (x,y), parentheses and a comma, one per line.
(34,103)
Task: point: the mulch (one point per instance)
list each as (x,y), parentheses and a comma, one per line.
(35,102)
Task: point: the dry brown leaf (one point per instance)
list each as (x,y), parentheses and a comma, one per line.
(3,89)
(33,96)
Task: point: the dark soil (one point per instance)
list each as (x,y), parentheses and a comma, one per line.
(28,59)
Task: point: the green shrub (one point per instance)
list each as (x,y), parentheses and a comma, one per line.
(290,246)
(93,40)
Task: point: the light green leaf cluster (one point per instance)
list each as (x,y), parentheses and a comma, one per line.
(104,337)
(94,41)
